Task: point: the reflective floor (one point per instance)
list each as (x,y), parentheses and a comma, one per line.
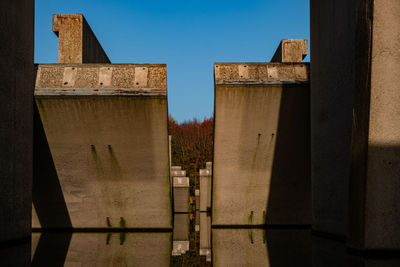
(187,245)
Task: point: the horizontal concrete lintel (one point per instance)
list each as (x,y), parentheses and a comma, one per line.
(260,82)
(99,92)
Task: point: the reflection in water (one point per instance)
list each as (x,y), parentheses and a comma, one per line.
(230,247)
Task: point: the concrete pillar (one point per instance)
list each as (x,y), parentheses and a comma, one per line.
(181,194)
(180,244)
(106,128)
(291,50)
(261,144)
(375,159)
(332,90)
(205,189)
(77,42)
(205,236)
(16,115)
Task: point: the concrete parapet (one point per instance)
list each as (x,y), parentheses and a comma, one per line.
(291,50)
(102,147)
(261,144)
(77,42)
(16,116)
(181,194)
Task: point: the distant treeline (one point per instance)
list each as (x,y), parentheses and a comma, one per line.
(192,143)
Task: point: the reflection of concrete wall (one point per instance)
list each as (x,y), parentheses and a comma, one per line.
(332,87)
(261,144)
(239,247)
(104,249)
(16,112)
(375,178)
(106,128)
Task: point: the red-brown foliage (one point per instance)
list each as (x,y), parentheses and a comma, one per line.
(192,143)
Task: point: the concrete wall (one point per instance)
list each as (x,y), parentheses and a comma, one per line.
(332,89)
(102,157)
(16,115)
(77,42)
(261,144)
(374,189)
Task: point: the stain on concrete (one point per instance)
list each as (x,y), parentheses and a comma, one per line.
(115,166)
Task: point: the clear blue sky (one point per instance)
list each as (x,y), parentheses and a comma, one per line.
(187,35)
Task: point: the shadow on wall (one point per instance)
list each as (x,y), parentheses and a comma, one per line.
(52,249)
(289,200)
(47,195)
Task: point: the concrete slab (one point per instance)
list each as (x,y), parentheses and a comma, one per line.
(103,147)
(261,144)
(16,116)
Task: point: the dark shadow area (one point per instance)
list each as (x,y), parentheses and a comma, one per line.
(47,194)
(52,249)
(289,247)
(289,200)
(18,254)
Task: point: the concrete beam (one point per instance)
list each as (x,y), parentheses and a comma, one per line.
(261,144)
(291,50)
(105,147)
(77,42)
(16,116)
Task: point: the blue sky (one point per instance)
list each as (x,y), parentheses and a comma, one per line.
(189,36)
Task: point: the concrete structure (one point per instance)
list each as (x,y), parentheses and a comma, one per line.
(261,144)
(180,243)
(197,198)
(209,166)
(205,236)
(16,113)
(205,189)
(197,221)
(374,194)
(332,89)
(176,168)
(77,42)
(239,247)
(178,172)
(102,249)
(291,50)
(181,194)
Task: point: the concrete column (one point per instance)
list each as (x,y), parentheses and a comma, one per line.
(261,144)
(181,194)
(180,244)
(16,115)
(332,89)
(205,189)
(205,236)
(77,42)
(375,170)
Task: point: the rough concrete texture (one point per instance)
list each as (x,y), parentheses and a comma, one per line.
(261,144)
(374,189)
(291,50)
(332,88)
(181,194)
(16,115)
(102,147)
(77,42)
(102,249)
(205,189)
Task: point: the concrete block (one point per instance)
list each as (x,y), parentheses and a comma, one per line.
(291,50)
(102,147)
(374,211)
(181,234)
(103,249)
(205,189)
(77,42)
(181,194)
(16,116)
(178,173)
(261,168)
(176,168)
(332,90)
(205,235)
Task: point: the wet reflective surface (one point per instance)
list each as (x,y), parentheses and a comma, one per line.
(187,247)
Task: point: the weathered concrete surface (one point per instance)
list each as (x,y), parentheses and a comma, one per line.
(106,128)
(77,42)
(181,194)
(103,249)
(261,144)
(205,189)
(291,50)
(374,188)
(239,247)
(332,89)
(16,115)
